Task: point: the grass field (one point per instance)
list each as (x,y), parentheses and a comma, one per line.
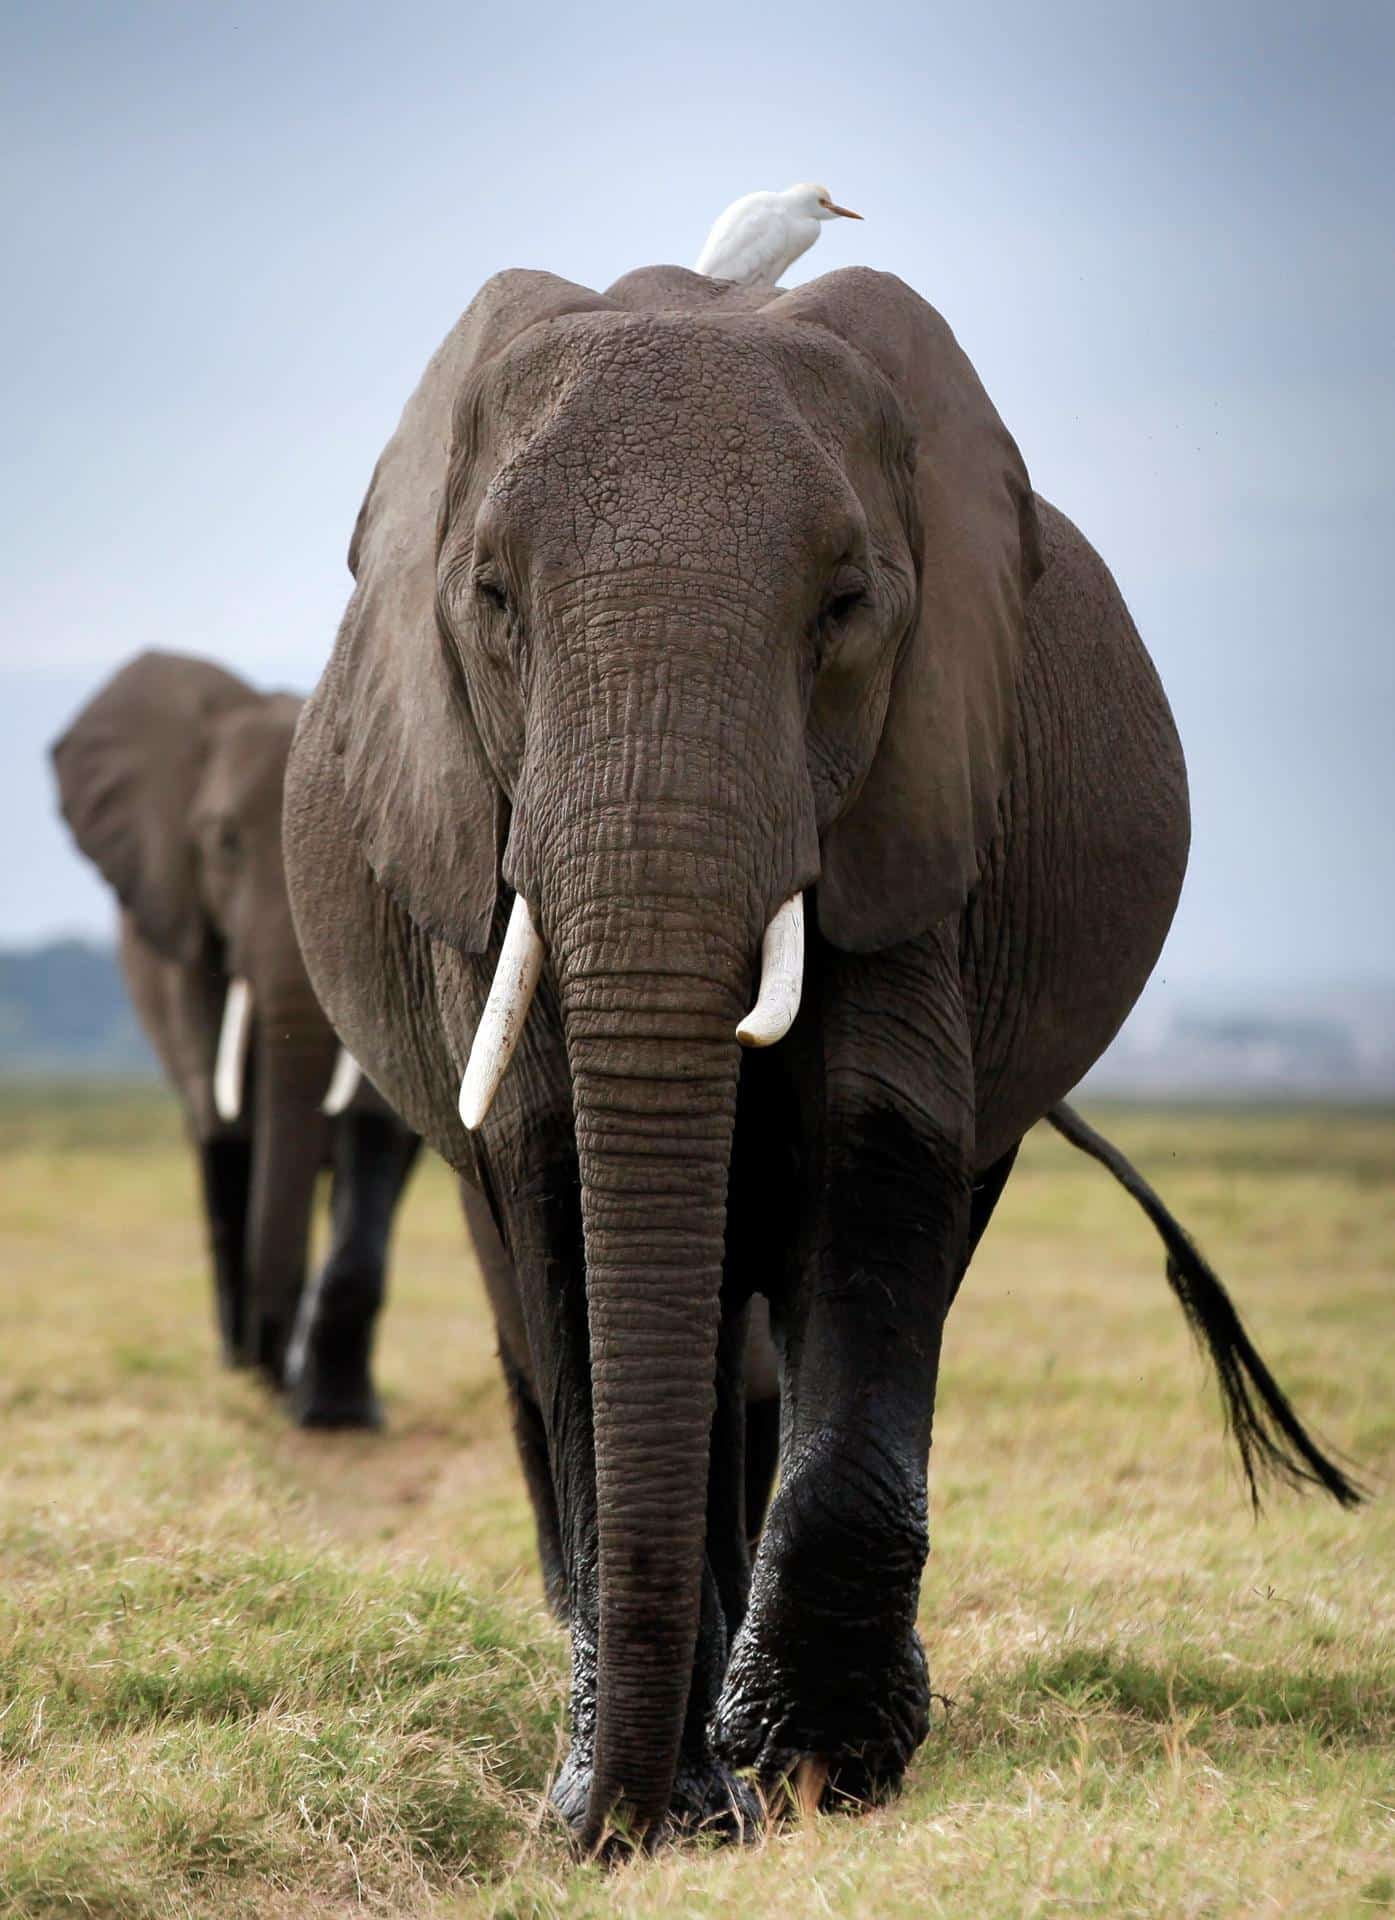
(249,1672)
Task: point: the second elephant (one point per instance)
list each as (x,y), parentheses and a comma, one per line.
(171,780)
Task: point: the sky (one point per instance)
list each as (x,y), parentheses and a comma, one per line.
(235,233)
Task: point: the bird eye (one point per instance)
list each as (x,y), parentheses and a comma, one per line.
(227,841)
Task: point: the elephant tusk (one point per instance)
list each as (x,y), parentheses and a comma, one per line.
(781,978)
(505,1011)
(231,1063)
(343,1083)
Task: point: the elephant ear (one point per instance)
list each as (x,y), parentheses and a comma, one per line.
(128,768)
(422,796)
(908,850)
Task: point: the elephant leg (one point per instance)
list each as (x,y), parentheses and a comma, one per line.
(763,1207)
(225,1168)
(329,1363)
(762,1419)
(500,1277)
(530,1437)
(827,1666)
(728,1529)
(987,1191)
(762,1462)
(541,1314)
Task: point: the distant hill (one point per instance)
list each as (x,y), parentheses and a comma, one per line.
(64,1010)
(1268,1043)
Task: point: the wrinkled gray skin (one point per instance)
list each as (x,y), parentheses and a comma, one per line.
(669,605)
(171,780)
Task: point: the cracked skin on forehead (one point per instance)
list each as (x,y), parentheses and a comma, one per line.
(678,443)
(816,356)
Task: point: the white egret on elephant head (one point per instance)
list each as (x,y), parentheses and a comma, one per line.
(761,235)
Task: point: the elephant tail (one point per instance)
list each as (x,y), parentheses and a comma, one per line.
(1271,1439)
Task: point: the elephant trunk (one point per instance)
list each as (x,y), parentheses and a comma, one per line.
(662,814)
(654,1066)
(294,1058)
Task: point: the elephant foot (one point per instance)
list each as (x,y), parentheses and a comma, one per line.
(555,1595)
(332,1386)
(325,1411)
(707,1800)
(263,1349)
(839,1737)
(826,1695)
(228,1320)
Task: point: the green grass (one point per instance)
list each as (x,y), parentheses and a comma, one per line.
(245,1671)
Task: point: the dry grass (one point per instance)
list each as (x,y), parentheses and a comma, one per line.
(244,1671)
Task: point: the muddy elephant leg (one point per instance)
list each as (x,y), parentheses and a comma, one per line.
(225,1167)
(537,1285)
(497,1271)
(762,1419)
(828,1667)
(984,1196)
(329,1363)
(763,1208)
(530,1437)
(728,1526)
(762,1462)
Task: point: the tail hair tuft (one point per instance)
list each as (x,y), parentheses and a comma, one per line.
(1271,1440)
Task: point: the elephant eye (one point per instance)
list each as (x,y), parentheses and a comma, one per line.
(846,594)
(492,591)
(227,840)
(842,605)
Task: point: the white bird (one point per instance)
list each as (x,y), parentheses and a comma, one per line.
(761,235)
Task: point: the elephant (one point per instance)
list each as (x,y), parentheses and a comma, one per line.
(171,781)
(682,612)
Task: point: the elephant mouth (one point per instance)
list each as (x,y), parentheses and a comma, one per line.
(520,968)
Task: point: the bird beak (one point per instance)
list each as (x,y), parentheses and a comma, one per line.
(846,212)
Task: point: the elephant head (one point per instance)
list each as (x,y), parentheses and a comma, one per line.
(171,781)
(671,605)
